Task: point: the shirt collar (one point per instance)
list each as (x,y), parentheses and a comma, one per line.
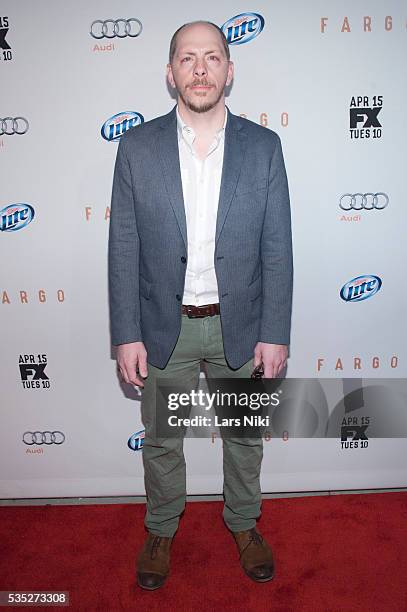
(186,132)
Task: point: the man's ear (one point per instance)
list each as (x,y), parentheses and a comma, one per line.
(170,77)
(230,73)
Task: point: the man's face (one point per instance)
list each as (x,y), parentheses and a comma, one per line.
(200,69)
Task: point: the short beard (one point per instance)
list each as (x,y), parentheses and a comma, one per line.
(204,108)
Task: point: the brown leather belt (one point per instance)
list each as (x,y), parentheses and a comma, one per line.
(193,312)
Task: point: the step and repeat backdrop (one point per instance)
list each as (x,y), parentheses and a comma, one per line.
(330,79)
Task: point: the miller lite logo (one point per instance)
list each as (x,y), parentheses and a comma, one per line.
(15,216)
(114,127)
(243,28)
(136,441)
(360,288)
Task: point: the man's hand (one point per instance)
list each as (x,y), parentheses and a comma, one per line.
(273,356)
(130,357)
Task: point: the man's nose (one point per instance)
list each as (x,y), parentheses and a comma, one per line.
(200,68)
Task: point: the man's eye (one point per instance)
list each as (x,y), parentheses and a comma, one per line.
(185,59)
(214,57)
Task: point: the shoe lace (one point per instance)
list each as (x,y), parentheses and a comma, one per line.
(255,537)
(155,546)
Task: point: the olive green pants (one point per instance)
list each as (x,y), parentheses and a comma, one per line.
(200,340)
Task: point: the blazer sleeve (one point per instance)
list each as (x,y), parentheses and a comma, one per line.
(276,256)
(123,256)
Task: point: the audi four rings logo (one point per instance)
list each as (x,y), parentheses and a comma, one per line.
(116,28)
(364,201)
(13,125)
(43,437)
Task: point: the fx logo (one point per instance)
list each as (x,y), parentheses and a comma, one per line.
(356,432)
(3,33)
(366,115)
(33,371)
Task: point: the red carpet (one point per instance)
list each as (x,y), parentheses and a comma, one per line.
(335,553)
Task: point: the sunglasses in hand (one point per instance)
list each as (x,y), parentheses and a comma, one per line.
(258,371)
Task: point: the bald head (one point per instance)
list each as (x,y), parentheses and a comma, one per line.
(209,24)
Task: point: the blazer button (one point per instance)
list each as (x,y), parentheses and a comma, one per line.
(178,297)
(184,259)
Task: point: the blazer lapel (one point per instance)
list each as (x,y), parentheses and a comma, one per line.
(169,158)
(234,152)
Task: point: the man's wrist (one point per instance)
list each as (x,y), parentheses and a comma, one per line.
(126,340)
(276,341)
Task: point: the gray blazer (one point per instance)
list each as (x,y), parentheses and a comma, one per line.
(147,249)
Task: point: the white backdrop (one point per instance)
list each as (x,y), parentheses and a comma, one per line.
(306,75)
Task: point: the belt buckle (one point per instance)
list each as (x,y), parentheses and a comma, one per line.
(189,312)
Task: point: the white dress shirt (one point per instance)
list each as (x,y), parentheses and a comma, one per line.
(200,185)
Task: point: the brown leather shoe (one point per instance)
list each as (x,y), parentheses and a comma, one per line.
(256,556)
(153,563)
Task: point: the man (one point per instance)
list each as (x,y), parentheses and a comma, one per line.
(200,271)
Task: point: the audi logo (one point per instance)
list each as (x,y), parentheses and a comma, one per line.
(364,201)
(116,28)
(13,125)
(43,437)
